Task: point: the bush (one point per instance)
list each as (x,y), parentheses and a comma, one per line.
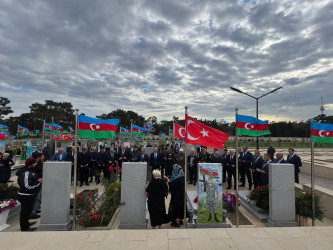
(111,201)
(303,204)
(8,192)
(261,196)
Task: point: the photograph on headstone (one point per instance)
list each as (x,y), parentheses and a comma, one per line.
(210,193)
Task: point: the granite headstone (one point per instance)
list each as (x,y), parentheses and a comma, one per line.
(281,195)
(56,190)
(133,186)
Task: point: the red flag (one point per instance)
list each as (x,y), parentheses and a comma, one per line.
(199,133)
(2,136)
(179,131)
(65,137)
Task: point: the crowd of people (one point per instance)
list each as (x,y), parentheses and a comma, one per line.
(166,164)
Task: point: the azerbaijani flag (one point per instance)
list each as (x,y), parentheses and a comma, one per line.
(321,132)
(151,128)
(124,130)
(89,127)
(3,127)
(31,133)
(23,130)
(209,172)
(251,126)
(6,135)
(170,132)
(162,134)
(135,137)
(136,130)
(37,131)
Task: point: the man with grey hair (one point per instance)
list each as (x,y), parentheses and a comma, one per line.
(279,158)
(5,168)
(60,156)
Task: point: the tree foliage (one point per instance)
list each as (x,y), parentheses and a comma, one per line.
(4,108)
(125,117)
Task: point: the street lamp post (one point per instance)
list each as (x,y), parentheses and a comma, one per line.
(257,102)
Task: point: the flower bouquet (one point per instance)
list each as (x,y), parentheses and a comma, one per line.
(6,205)
(229,201)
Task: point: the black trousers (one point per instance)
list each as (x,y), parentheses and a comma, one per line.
(193,174)
(168,170)
(224,169)
(231,173)
(256,179)
(84,174)
(246,171)
(27,203)
(296,175)
(92,169)
(106,172)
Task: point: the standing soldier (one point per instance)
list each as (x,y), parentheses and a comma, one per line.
(204,157)
(212,198)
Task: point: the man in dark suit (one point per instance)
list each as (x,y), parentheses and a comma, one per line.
(40,150)
(155,160)
(193,167)
(71,157)
(103,163)
(256,164)
(224,164)
(279,158)
(231,168)
(246,159)
(264,169)
(60,156)
(168,161)
(143,156)
(294,159)
(123,156)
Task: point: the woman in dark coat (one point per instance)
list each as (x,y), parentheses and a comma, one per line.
(156,192)
(177,190)
(5,168)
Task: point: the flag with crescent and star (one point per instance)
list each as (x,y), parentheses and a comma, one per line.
(321,132)
(199,133)
(89,127)
(64,137)
(179,131)
(251,126)
(137,130)
(3,127)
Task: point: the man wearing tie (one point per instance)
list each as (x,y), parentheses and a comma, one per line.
(264,169)
(231,168)
(294,159)
(246,159)
(193,167)
(256,164)
(143,156)
(123,156)
(155,160)
(60,156)
(39,151)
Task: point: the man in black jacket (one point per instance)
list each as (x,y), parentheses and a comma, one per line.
(155,160)
(168,161)
(29,184)
(264,169)
(83,163)
(123,156)
(193,167)
(257,163)
(294,159)
(104,163)
(231,168)
(246,158)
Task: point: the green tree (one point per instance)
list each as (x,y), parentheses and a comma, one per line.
(4,109)
(125,117)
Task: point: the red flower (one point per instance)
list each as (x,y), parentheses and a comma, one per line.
(81,223)
(111,168)
(226,192)
(117,189)
(98,198)
(94,205)
(89,192)
(99,216)
(195,200)
(91,212)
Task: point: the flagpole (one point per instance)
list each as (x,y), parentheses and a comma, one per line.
(313,183)
(131,133)
(173,128)
(75,172)
(51,137)
(17,133)
(185,170)
(43,134)
(237,165)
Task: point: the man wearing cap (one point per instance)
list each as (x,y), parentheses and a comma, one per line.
(29,184)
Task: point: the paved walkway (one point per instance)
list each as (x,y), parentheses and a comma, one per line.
(242,238)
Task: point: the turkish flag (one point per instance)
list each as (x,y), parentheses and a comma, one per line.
(65,137)
(2,136)
(179,131)
(199,133)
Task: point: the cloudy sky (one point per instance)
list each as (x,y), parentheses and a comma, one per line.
(156,56)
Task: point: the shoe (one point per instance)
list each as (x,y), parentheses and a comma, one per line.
(91,180)
(190,183)
(194,183)
(228,187)
(32,223)
(174,224)
(250,188)
(34,216)
(210,217)
(81,184)
(87,184)
(32,229)
(215,218)
(242,185)
(38,211)
(10,181)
